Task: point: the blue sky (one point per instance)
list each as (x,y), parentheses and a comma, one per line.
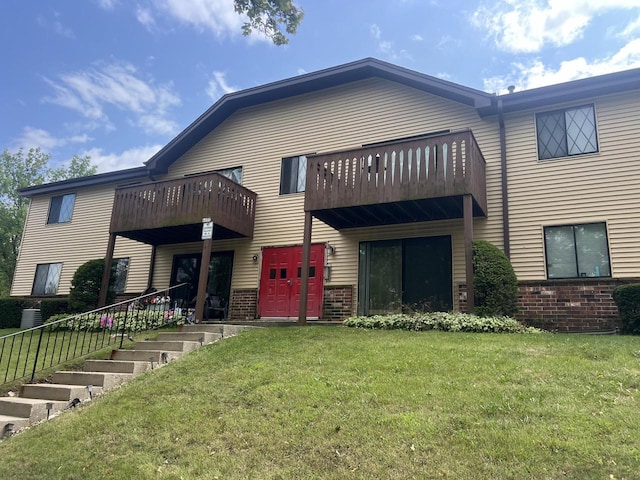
(118,79)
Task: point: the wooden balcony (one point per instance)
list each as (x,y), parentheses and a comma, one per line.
(401,182)
(172,211)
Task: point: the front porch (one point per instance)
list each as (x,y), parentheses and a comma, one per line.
(420,179)
(173,211)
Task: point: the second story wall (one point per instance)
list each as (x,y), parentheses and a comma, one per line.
(71,243)
(598,187)
(348,116)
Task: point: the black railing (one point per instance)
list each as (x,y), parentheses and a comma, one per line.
(23,354)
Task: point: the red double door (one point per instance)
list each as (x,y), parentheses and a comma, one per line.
(280,281)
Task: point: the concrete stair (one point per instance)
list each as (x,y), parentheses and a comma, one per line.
(69,389)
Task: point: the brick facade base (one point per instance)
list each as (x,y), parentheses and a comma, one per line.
(244,304)
(337,303)
(580,305)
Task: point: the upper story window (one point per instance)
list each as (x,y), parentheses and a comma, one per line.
(47,279)
(293,174)
(575,251)
(234,174)
(571,131)
(61,208)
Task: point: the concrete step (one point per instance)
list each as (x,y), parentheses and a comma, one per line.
(18,423)
(224,329)
(54,391)
(204,337)
(167,346)
(144,355)
(106,380)
(34,409)
(117,366)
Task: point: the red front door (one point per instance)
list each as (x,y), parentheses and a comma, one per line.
(280,281)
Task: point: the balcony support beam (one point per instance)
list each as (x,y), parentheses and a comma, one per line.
(467,205)
(108,260)
(202,280)
(304,275)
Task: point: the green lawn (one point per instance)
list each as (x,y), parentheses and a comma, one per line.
(335,403)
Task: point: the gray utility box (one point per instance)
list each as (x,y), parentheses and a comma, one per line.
(31,317)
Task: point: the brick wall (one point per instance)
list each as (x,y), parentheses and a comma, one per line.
(243,304)
(337,303)
(580,305)
(570,305)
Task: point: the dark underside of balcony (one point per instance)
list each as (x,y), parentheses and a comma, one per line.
(393,213)
(177,234)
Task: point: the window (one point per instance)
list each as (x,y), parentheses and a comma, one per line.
(119,269)
(562,133)
(61,208)
(577,251)
(47,279)
(234,174)
(293,174)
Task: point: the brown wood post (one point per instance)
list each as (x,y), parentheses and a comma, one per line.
(304,276)
(467,207)
(108,260)
(202,280)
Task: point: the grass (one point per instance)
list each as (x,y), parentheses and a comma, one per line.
(334,403)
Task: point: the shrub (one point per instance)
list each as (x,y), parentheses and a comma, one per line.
(85,286)
(11,311)
(494,281)
(53,306)
(627,298)
(448,322)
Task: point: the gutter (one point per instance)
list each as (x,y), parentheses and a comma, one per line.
(503,174)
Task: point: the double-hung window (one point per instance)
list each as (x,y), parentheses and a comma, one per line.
(575,251)
(567,132)
(47,279)
(293,174)
(61,208)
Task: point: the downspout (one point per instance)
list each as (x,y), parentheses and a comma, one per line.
(503,173)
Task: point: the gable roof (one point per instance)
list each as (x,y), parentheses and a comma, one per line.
(311,82)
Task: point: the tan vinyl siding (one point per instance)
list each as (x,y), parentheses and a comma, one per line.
(342,117)
(84,238)
(596,187)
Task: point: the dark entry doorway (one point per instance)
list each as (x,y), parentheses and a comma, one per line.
(413,274)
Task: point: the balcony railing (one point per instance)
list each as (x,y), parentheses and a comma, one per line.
(161,206)
(406,173)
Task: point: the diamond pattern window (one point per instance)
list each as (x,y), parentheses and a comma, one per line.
(293,174)
(61,208)
(574,251)
(568,132)
(47,279)
(119,269)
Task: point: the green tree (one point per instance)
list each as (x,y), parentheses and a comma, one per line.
(19,170)
(269,17)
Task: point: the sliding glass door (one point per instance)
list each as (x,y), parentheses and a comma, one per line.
(413,274)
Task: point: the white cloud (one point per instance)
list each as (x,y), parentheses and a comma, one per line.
(145,17)
(107,4)
(536,74)
(387,47)
(37,137)
(216,16)
(417,37)
(57,26)
(529,25)
(632,29)
(92,92)
(218,86)
(108,162)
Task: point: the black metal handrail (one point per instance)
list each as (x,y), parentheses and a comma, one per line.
(25,353)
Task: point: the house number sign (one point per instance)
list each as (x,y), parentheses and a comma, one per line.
(207,229)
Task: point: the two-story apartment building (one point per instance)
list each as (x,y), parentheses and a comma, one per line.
(359,189)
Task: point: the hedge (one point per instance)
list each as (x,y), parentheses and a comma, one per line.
(627,298)
(11,311)
(53,306)
(494,282)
